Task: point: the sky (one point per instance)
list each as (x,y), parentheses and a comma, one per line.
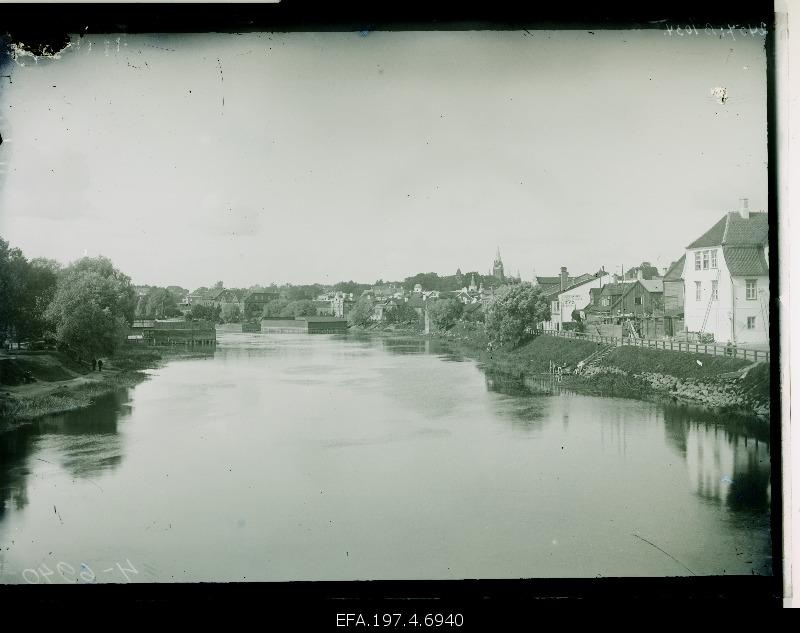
(321,157)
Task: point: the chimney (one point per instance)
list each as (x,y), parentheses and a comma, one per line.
(744,208)
(640,274)
(564,276)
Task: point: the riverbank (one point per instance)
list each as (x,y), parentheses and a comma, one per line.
(725,385)
(62,384)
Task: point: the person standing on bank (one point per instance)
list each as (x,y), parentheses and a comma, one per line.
(94,364)
(100,365)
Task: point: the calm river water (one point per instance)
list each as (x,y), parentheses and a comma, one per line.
(297,457)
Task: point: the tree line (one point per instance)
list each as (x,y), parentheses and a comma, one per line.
(85,307)
(509,321)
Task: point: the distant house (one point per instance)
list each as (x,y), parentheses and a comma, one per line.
(726,277)
(382,306)
(254,303)
(644,271)
(341,304)
(574,297)
(674,289)
(638,299)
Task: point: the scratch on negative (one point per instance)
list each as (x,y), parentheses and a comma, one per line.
(221,80)
(667,553)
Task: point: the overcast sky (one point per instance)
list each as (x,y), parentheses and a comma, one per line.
(320,157)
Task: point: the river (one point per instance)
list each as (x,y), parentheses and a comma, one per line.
(335,457)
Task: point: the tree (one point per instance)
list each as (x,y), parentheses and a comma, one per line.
(361,312)
(231,313)
(39,288)
(13,268)
(303,307)
(445,312)
(92,307)
(580,325)
(273,308)
(350,287)
(160,304)
(515,312)
(402,314)
(199,312)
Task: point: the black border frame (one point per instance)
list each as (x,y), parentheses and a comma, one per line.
(488,601)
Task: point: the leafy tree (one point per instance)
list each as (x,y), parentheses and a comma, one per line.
(403,314)
(93,306)
(445,312)
(39,288)
(361,312)
(199,312)
(160,304)
(303,307)
(350,287)
(13,268)
(274,308)
(231,313)
(580,326)
(515,312)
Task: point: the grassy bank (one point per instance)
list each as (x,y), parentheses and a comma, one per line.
(62,384)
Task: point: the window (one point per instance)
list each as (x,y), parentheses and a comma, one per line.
(697,260)
(714,259)
(715,290)
(606,301)
(637,301)
(751,323)
(554,306)
(697,291)
(750,288)
(705,260)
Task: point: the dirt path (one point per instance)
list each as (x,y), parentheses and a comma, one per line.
(39,388)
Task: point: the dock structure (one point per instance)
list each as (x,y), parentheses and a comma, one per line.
(325,325)
(251,326)
(173,332)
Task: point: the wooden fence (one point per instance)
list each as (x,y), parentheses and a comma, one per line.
(669,345)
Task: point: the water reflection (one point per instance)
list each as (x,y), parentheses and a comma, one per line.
(84,443)
(728,458)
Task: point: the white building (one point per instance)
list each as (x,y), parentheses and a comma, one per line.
(574,297)
(726,280)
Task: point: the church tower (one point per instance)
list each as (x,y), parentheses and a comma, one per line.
(497,267)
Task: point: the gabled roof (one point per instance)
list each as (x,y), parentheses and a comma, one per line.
(676,269)
(259,297)
(746,260)
(615,288)
(583,279)
(733,230)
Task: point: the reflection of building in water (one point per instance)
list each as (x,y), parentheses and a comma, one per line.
(730,469)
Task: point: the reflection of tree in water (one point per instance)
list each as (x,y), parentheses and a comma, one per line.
(727,456)
(527,407)
(750,488)
(15,446)
(86,442)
